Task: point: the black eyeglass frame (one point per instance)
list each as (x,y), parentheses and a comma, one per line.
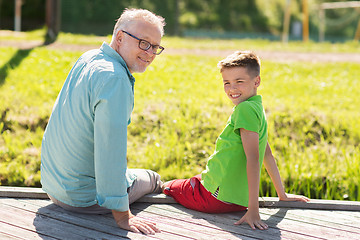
(149,44)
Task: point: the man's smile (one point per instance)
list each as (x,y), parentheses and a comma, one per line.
(144,60)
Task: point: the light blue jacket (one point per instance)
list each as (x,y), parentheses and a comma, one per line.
(83,157)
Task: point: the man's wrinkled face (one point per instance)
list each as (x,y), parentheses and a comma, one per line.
(137,59)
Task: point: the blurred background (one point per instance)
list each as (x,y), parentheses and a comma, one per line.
(267,19)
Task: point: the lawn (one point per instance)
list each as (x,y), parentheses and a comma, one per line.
(180,109)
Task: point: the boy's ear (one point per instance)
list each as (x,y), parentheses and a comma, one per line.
(257,81)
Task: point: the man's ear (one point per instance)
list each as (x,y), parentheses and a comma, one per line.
(119,36)
(117,40)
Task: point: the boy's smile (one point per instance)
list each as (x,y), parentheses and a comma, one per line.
(239,85)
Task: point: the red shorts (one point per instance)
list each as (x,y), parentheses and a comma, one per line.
(193,195)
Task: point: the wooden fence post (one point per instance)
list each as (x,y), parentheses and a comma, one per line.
(53,18)
(287,13)
(305,21)
(17,20)
(357,33)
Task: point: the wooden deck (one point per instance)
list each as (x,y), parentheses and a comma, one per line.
(33,216)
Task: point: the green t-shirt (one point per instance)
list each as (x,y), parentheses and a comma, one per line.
(226,167)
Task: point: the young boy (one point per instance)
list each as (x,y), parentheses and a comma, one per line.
(231,179)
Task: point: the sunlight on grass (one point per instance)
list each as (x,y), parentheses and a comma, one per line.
(170,42)
(180,109)
(260,44)
(35,35)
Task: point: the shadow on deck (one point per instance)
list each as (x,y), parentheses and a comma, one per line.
(33,216)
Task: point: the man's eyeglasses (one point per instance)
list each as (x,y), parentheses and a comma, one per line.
(145,45)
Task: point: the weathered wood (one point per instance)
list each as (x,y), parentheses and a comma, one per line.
(29,221)
(22,192)
(220,223)
(311,227)
(41,219)
(335,219)
(226,222)
(7,236)
(101,224)
(38,193)
(156,198)
(279,224)
(9,231)
(48,226)
(185,227)
(313,204)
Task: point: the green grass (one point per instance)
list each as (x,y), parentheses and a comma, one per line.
(197,43)
(36,35)
(180,109)
(312,116)
(261,44)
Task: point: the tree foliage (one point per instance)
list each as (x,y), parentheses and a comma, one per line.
(246,16)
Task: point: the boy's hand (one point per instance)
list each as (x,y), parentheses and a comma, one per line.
(293,197)
(253,219)
(126,220)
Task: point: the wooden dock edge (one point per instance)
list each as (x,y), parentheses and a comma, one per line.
(271,202)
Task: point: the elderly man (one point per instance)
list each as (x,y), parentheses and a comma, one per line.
(83,158)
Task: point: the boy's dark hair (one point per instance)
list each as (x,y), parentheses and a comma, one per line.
(246,59)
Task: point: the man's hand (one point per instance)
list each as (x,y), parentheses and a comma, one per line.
(253,219)
(127,221)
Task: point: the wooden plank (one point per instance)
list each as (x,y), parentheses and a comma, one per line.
(103,223)
(319,229)
(156,198)
(7,236)
(313,204)
(178,222)
(169,222)
(109,229)
(165,223)
(47,226)
(294,216)
(341,217)
(28,221)
(334,219)
(22,192)
(168,231)
(108,220)
(28,192)
(282,224)
(216,221)
(15,232)
(274,203)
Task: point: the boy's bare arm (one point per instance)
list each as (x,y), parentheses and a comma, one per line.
(272,169)
(250,142)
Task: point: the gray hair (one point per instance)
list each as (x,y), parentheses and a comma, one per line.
(131,15)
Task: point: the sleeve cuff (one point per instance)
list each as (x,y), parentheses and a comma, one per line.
(120,204)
